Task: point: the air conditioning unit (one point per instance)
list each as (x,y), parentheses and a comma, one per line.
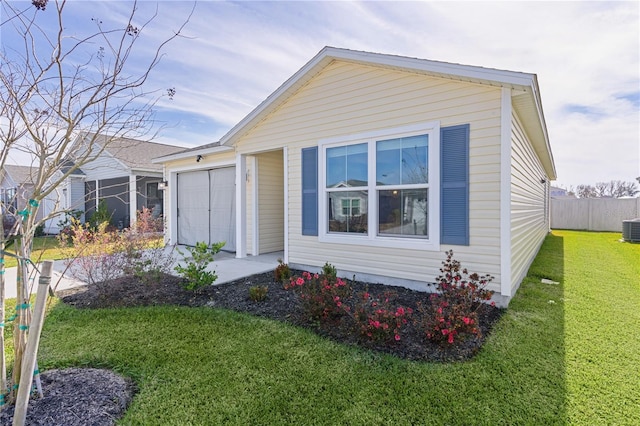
(631,230)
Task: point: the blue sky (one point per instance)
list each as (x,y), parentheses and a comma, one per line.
(585,54)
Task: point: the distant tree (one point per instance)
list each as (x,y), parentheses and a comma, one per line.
(56,83)
(586,191)
(611,189)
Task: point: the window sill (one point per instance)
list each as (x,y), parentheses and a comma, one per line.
(388,242)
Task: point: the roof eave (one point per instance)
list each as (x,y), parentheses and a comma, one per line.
(190,153)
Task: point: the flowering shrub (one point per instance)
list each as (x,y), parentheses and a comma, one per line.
(452,314)
(99,255)
(377,320)
(95,256)
(323,297)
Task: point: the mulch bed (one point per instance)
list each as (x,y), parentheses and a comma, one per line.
(99,397)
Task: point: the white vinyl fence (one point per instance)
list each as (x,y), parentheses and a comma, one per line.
(593,214)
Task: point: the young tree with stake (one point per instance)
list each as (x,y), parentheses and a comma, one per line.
(65,93)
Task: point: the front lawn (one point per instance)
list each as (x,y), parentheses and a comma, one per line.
(567,353)
(47,247)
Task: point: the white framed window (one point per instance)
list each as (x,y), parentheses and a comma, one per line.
(381,188)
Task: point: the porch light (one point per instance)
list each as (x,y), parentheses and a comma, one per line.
(163,185)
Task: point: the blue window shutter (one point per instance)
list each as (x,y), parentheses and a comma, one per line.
(310,191)
(454,185)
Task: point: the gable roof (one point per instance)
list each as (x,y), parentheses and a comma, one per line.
(526,99)
(20,174)
(136,154)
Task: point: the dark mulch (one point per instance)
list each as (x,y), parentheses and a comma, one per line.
(99,397)
(77,396)
(283,305)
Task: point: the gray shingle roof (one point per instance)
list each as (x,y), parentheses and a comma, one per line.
(137,154)
(20,174)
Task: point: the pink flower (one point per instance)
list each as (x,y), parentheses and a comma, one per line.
(316,276)
(450,339)
(445,331)
(466,320)
(397,337)
(400,311)
(376,324)
(300,281)
(440,311)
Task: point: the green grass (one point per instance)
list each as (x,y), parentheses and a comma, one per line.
(562,354)
(43,248)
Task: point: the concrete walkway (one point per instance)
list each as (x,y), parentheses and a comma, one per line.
(227,267)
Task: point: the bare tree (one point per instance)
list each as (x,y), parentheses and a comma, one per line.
(586,191)
(611,189)
(65,95)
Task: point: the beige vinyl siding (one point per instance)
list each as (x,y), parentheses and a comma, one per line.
(529,219)
(347,99)
(270,202)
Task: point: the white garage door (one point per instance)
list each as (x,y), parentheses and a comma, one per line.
(206,207)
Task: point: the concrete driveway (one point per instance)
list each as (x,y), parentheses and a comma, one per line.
(225,264)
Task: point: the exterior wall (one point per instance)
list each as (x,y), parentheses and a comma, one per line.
(270,202)
(529,204)
(346,99)
(104,167)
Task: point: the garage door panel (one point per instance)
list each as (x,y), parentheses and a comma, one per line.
(223,207)
(193,207)
(206,207)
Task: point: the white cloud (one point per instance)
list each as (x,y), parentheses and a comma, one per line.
(586,56)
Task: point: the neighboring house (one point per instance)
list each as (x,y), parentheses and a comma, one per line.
(122,175)
(557,192)
(16,187)
(377,164)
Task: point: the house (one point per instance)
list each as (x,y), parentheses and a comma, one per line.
(377,164)
(16,187)
(557,192)
(121,174)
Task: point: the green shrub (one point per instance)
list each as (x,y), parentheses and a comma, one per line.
(329,271)
(195,272)
(282,272)
(258,293)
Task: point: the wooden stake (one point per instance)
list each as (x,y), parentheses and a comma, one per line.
(33,340)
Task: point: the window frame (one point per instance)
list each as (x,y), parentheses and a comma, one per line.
(372,237)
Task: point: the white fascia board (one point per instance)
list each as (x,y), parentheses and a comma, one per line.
(191,153)
(543,124)
(444,69)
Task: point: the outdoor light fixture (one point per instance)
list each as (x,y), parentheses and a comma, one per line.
(163,185)
(198,158)
(543,181)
